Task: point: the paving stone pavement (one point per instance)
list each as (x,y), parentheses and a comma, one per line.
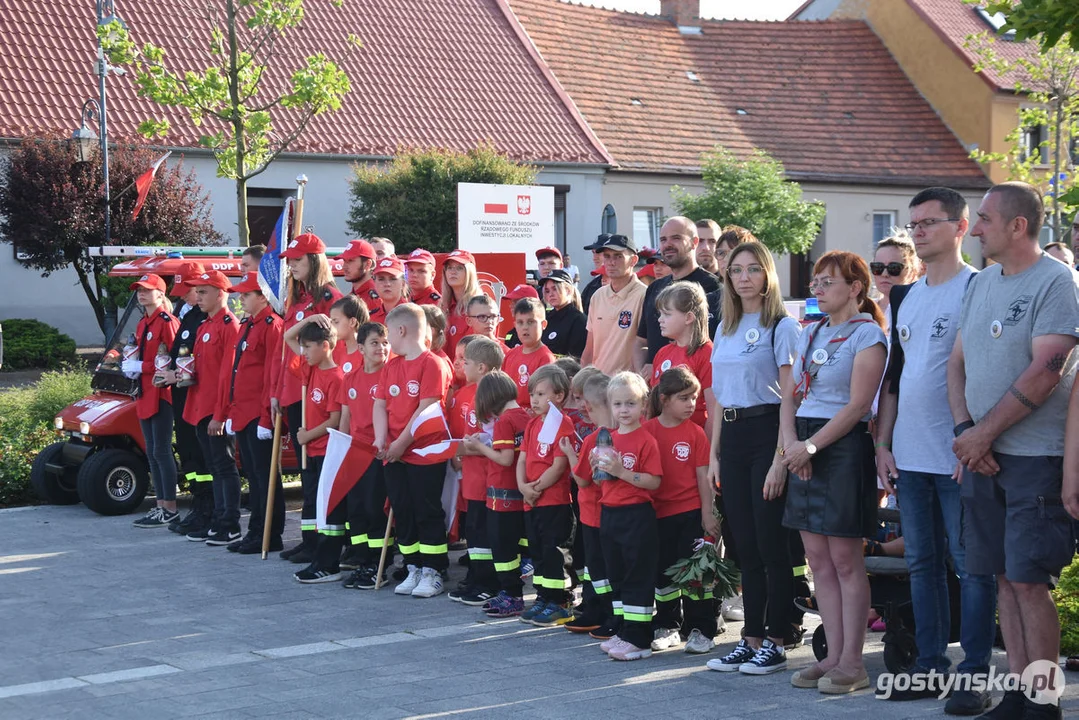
(102,620)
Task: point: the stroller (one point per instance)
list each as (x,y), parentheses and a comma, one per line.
(889,587)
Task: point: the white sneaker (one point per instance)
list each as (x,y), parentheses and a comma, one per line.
(665,639)
(430,584)
(409,584)
(733,609)
(698,644)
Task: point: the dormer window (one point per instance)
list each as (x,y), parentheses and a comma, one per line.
(996,21)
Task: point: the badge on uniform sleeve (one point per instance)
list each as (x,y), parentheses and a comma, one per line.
(352,393)
(184,335)
(552,335)
(395,390)
(753,335)
(299,315)
(347,367)
(206,337)
(820,356)
(996,329)
(904,332)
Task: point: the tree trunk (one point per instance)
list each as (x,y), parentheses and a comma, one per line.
(1058,103)
(241,211)
(237,126)
(92,296)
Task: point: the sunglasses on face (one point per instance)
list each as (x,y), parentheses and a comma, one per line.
(895,269)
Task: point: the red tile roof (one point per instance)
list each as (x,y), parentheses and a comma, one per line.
(825,98)
(954,21)
(447,73)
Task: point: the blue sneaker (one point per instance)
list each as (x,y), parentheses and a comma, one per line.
(552,616)
(527,568)
(504,605)
(537,607)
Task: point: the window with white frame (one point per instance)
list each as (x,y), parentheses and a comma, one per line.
(646,226)
(883,222)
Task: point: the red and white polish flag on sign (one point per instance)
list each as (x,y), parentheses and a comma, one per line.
(347,459)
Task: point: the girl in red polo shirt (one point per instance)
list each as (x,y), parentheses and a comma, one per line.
(627,524)
(459,285)
(683,508)
(683,317)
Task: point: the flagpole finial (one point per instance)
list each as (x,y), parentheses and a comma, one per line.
(301,179)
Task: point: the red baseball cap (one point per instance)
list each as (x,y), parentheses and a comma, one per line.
(250,283)
(187,271)
(148,282)
(544,251)
(648,270)
(357,249)
(213,278)
(463,257)
(306,244)
(602,271)
(522,291)
(419,255)
(391,265)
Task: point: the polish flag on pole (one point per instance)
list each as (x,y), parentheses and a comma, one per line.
(142,184)
(549,430)
(347,459)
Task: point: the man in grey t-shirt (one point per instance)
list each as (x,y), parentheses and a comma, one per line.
(914,451)
(1009,378)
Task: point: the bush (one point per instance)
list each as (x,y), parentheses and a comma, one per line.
(32,344)
(26,416)
(1066,595)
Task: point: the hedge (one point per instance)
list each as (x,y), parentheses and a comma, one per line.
(32,344)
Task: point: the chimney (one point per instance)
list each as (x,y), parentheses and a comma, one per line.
(685,14)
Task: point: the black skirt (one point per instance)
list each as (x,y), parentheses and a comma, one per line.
(840,500)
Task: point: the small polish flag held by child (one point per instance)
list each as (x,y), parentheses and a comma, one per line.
(430,424)
(143,182)
(347,459)
(551,424)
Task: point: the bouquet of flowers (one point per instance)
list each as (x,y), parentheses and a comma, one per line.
(705,571)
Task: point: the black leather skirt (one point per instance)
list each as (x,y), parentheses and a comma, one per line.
(840,500)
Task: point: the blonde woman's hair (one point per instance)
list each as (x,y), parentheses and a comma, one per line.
(630,382)
(772,307)
(449,303)
(319,278)
(687,297)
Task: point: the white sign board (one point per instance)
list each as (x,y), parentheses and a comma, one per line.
(505,218)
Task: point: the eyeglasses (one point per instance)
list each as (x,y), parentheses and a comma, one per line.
(751,270)
(485,318)
(912,227)
(824,284)
(895,269)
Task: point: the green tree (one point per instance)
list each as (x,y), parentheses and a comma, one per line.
(51,209)
(1042,145)
(1048,21)
(413,201)
(753,193)
(252,107)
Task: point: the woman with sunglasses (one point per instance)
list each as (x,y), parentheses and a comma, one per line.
(895,262)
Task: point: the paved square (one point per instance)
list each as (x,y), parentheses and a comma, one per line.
(102,620)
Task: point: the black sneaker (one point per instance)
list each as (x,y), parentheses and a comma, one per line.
(152,519)
(1011,707)
(223,537)
(303,557)
(476,598)
(352,582)
(459,592)
(1038,711)
(200,535)
(294,550)
(352,559)
(967,702)
(768,659)
(604,632)
(235,545)
(793,640)
(255,547)
(370,579)
(314,576)
(733,660)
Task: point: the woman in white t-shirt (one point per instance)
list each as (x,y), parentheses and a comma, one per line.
(751,359)
(831,494)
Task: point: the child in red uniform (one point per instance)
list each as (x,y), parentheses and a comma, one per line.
(543,480)
(367,498)
(323,410)
(683,317)
(411,382)
(598,617)
(683,505)
(529,319)
(391,286)
(482,356)
(483,319)
(496,403)
(627,518)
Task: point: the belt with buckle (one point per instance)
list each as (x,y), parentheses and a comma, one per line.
(736,414)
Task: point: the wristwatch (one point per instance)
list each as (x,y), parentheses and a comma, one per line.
(811,448)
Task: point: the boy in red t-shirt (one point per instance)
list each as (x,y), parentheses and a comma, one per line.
(366,500)
(683,505)
(543,480)
(627,518)
(598,617)
(412,381)
(496,403)
(482,356)
(483,319)
(529,319)
(323,382)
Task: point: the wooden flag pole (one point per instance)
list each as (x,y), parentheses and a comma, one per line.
(275,458)
(385,547)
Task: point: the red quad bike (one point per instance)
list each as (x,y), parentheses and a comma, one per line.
(99,457)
